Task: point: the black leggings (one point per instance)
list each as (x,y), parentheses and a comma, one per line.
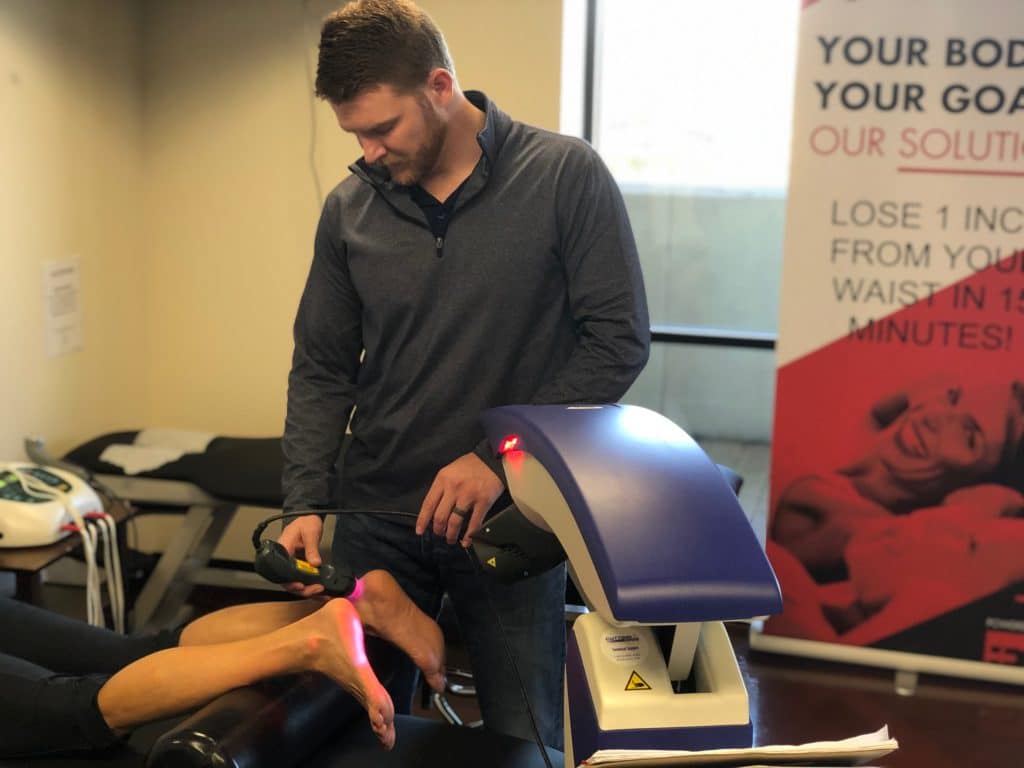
(51,669)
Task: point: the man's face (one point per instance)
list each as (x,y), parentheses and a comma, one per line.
(401,132)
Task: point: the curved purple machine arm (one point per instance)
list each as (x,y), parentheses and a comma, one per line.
(658,524)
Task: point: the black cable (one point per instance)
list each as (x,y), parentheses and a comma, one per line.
(257,533)
(511,658)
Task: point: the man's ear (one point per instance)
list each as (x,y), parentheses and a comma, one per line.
(441,85)
(887,410)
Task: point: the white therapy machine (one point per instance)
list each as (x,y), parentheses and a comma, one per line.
(40,505)
(661,552)
(37,504)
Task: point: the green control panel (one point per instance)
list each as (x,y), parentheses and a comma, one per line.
(49,478)
(11,489)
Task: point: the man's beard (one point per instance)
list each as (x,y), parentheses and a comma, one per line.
(412,170)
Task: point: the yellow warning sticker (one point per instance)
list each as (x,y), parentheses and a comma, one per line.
(637,683)
(493,562)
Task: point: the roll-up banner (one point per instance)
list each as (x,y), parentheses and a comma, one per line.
(897,517)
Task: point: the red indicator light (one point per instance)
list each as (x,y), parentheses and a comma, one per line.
(510,443)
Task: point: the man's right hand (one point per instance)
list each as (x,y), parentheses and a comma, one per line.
(301,537)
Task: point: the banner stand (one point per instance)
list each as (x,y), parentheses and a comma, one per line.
(898,661)
(896,512)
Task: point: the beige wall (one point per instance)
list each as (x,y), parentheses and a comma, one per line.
(70,129)
(167,144)
(230,202)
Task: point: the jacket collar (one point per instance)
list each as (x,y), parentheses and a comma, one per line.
(491,138)
(496,126)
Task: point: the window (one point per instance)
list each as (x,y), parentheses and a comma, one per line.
(690,106)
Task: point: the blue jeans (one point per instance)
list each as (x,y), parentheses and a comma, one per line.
(531,612)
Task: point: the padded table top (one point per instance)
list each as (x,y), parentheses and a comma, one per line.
(246,470)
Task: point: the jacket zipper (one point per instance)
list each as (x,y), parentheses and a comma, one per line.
(438,241)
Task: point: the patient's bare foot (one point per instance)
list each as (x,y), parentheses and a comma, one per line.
(341,655)
(388,612)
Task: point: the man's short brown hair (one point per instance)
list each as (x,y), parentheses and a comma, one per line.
(369,43)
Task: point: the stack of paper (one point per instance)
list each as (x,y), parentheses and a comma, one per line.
(857,750)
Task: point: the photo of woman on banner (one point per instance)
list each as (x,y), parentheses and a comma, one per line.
(905,570)
(934,445)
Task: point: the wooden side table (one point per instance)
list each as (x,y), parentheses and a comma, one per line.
(27,563)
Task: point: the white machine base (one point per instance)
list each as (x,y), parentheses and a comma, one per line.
(619,694)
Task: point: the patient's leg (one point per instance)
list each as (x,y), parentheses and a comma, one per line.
(384,608)
(329,641)
(238,622)
(388,612)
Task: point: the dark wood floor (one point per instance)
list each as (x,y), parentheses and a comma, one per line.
(947,723)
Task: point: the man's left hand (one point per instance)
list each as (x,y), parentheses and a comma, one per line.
(465,488)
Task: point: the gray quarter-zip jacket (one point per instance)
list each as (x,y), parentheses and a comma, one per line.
(534,295)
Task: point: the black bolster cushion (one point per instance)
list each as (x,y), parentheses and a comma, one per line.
(306,720)
(277,723)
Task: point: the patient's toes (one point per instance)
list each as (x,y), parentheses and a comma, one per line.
(382,720)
